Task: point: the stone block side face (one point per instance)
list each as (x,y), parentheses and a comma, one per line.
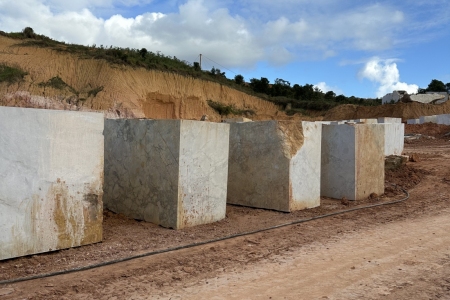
(412,121)
(203,172)
(367,121)
(428,119)
(258,170)
(51,174)
(394,141)
(369,160)
(443,119)
(305,169)
(338,178)
(389,120)
(141,169)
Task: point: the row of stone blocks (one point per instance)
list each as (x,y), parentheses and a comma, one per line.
(443,119)
(175,173)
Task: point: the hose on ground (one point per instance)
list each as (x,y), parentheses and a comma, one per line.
(151,253)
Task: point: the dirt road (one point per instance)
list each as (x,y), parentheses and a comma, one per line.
(399,251)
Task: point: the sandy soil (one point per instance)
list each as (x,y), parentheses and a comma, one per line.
(399,251)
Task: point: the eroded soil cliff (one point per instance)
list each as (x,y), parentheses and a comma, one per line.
(60,80)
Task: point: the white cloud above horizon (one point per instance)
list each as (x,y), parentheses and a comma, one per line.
(205,27)
(385,74)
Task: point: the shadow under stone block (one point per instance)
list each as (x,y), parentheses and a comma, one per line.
(51,180)
(169,172)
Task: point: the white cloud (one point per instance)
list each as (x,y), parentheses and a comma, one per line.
(326,88)
(205,27)
(384,72)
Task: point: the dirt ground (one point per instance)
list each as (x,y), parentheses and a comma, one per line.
(397,251)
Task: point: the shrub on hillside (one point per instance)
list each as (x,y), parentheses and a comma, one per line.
(11,74)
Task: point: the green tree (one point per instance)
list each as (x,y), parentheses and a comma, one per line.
(197,66)
(341,98)
(28,32)
(436,86)
(260,85)
(281,87)
(330,95)
(239,79)
(143,52)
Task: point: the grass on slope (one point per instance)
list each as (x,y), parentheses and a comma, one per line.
(11,74)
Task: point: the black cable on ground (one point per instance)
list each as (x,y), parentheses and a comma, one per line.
(115,261)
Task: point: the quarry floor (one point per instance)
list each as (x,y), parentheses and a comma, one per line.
(397,251)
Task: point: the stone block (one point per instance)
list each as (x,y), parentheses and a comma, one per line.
(367,121)
(394,138)
(427,98)
(382,120)
(51,180)
(168,172)
(443,119)
(428,119)
(352,160)
(413,121)
(275,165)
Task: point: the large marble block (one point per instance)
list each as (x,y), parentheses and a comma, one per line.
(169,172)
(51,180)
(443,119)
(413,121)
(394,138)
(367,121)
(352,160)
(428,119)
(275,165)
(389,120)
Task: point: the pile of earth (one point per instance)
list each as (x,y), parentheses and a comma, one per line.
(429,129)
(404,111)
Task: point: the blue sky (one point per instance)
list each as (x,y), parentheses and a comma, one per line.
(360,48)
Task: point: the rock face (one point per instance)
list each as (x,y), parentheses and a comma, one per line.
(169,172)
(275,165)
(51,180)
(427,98)
(352,160)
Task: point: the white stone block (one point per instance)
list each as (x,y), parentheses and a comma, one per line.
(275,165)
(352,160)
(443,119)
(382,120)
(427,98)
(394,138)
(428,119)
(367,121)
(51,180)
(413,121)
(169,172)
